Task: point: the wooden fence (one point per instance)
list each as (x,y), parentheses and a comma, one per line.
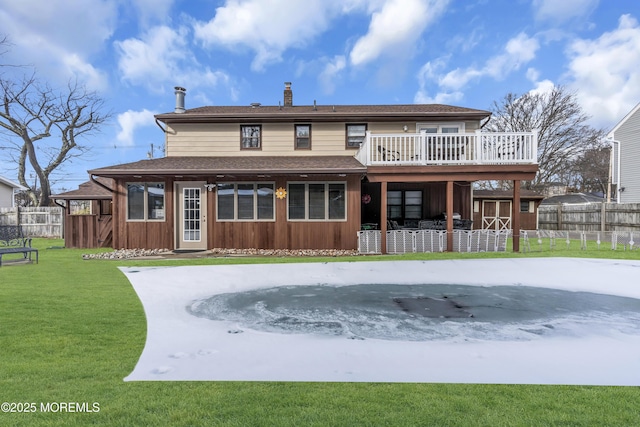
(35,222)
(590,217)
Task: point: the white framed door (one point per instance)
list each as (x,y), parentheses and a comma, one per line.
(191,215)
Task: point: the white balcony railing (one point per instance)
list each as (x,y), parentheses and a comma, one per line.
(449,148)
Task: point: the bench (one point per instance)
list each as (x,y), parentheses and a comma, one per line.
(12,241)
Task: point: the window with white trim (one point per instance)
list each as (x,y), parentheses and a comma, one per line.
(316,201)
(453,127)
(145,201)
(303,137)
(356,133)
(245,201)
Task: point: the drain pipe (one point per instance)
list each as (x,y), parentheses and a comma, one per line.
(95,181)
(617,160)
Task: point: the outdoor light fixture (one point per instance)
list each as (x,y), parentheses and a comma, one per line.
(209,187)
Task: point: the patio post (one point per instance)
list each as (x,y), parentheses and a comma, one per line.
(515,215)
(449,216)
(383,217)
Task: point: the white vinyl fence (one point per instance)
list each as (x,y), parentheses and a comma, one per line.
(420,241)
(35,222)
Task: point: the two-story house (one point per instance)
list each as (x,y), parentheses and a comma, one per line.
(309,176)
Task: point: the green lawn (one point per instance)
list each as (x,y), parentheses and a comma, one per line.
(71,330)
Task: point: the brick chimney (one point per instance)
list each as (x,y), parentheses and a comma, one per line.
(180,93)
(288,95)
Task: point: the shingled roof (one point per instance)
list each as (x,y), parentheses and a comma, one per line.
(326,113)
(88,191)
(506,194)
(245,165)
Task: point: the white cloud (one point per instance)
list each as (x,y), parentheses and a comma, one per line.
(129,121)
(59,37)
(396,27)
(152,11)
(541,86)
(428,73)
(559,11)
(605,72)
(517,52)
(331,73)
(162,56)
(268,27)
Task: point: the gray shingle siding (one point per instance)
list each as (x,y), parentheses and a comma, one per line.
(628,133)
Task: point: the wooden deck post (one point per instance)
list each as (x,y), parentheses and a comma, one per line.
(515,216)
(449,216)
(383,217)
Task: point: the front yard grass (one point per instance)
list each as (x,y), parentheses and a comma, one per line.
(71,330)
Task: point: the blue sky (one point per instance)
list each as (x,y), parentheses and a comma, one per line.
(235,52)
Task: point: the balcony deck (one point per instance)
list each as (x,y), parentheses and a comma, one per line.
(422,149)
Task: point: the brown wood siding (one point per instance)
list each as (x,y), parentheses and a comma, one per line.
(528,221)
(88,231)
(142,234)
(283,234)
(80,231)
(279,234)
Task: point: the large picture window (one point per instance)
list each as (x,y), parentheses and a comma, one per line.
(317,201)
(246,201)
(145,201)
(250,137)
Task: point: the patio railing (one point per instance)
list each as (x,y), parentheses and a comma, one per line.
(411,241)
(420,241)
(449,148)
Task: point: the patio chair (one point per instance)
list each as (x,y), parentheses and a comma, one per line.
(388,154)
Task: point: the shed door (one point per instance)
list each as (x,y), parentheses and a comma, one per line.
(496,214)
(191,216)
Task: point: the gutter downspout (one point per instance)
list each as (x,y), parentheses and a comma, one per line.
(618,186)
(95,181)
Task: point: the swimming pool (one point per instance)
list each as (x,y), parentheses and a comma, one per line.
(523,321)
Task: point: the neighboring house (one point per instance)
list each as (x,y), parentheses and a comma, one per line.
(625,159)
(493,209)
(88,219)
(7,192)
(309,176)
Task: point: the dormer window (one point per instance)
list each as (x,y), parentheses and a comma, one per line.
(250,137)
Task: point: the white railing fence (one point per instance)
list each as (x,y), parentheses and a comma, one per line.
(553,240)
(449,148)
(421,241)
(35,222)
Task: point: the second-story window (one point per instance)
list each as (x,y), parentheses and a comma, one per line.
(356,135)
(250,137)
(303,137)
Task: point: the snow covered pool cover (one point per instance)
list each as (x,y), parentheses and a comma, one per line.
(522,321)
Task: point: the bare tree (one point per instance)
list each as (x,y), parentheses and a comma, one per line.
(563,135)
(589,172)
(44,128)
